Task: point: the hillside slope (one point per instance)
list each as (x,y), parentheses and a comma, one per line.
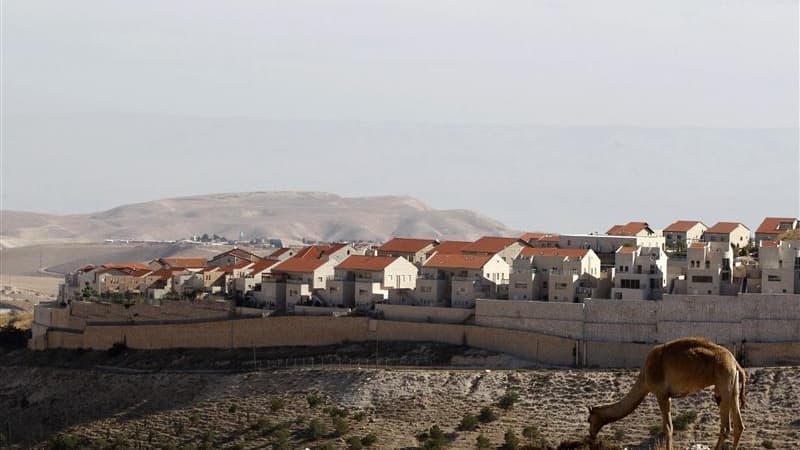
(291,216)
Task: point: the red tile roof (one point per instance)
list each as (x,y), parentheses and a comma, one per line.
(317,251)
(682,226)
(369,263)
(263,265)
(629,229)
(279,252)
(138,273)
(491,244)
(405,245)
(444,261)
(626,249)
(192,263)
(449,247)
(527,237)
(298,264)
(698,245)
(126,265)
(772,225)
(550,238)
(552,251)
(769,243)
(164,274)
(724,227)
(231,267)
(239,253)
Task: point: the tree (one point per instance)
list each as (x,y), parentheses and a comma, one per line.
(482,442)
(468,423)
(508,400)
(487,414)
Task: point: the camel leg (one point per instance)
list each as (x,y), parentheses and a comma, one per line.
(724,418)
(736,415)
(666,418)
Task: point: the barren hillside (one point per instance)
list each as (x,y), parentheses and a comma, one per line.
(254,410)
(290,216)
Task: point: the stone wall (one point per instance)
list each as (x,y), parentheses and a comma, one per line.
(423,313)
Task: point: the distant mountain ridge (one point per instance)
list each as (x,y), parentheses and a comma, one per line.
(288,215)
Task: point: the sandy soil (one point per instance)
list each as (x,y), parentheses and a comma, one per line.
(159,408)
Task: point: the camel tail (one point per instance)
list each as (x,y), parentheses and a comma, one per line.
(742,381)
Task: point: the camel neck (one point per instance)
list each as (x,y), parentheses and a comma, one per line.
(620,409)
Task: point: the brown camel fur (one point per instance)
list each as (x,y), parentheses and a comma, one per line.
(677,369)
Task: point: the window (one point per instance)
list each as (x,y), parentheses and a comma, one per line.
(773,278)
(629,284)
(702,279)
(708,264)
(521,285)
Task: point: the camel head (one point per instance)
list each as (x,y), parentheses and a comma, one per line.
(596,422)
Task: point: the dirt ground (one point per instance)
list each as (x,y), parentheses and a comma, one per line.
(152,410)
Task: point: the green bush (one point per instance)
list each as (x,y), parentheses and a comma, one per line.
(276,404)
(683,420)
(531,432)
(468,423)
(232,409)
(313,400)
(508,400)
(369,440)
(510,440)
(334,411)
(316,429)
(487,415)
(340,426)
(194,418)
(64,442)
(359,416)
(354,443)
(768,445)
(482,442)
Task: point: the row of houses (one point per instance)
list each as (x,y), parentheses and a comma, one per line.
(631,261)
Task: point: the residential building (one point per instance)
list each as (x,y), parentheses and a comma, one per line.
(773,227)
(709,269)
(506,247)
(459,279)
(734,233)
(640,273)
(545,241)
(282,254)
(299,278)
(780,266)
(362,280)
(641,229)
(553,274)
(413,250)
(606,246)
(337,252)
(233,257)
(448,248)
(251,279)
(680,235)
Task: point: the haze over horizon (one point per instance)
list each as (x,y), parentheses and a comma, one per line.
(543,115)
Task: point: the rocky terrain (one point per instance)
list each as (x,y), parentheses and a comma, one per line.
(73,395)
(290,216)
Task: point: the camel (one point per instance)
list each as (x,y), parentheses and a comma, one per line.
(677,369)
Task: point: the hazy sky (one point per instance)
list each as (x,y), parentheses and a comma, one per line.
(729,64)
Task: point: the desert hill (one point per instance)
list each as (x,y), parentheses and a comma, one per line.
(290,216)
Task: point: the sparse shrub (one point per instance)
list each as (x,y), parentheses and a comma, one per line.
(281,439)
(232,409)
(315,430)
(510,440)
(768,444)
(487,415)
(169,446)
(313,400)
(354,443)
(683,420)
(531,432)
(325,447)
(619,435)
(508,400)
(482,442)
(359,416)
(236,446)
(208,437)
(369,440)
(468,423)
(655,429)
(194,418)
(340,426)
(276,404)
(336,412)
(63,442)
